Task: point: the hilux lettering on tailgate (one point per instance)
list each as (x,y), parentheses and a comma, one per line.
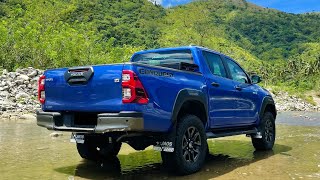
(77,74)
(155,73)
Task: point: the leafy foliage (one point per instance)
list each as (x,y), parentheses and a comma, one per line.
(284,48)
(48,34)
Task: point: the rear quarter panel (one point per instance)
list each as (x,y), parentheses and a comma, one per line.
(162,92)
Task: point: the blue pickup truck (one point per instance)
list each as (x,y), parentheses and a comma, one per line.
(171,98)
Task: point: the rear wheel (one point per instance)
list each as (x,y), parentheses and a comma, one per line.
(268,131)
(96,147)
(190,146)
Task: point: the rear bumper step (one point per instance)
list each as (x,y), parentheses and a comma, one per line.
(106,122)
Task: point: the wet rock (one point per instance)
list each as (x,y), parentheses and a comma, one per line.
(27,117)
(42,148)
(71,178)
(13,117)
(5,116)
(56,134)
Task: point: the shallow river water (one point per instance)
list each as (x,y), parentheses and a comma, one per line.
(28,152)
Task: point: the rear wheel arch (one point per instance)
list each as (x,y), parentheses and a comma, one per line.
(190,101)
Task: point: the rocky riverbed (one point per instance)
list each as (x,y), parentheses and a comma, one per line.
(18,95)
(286,102)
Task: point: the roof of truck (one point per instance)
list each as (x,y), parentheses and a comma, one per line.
(178,48)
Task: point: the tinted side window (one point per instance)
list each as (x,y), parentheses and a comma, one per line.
(236,72)
(164,57)
(215,64)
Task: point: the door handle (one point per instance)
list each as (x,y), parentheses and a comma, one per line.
(238,88)
(215,84)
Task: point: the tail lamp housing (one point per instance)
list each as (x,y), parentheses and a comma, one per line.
(132,89)
(41,90)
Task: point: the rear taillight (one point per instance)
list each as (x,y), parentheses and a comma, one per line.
(132,88)
(41,90)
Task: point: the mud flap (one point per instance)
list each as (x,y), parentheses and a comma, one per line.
(166,146)
(166,142)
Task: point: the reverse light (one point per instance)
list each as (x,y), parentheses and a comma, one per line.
(41,90)
(126,93)
(132,89)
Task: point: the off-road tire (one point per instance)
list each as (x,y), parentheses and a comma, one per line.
(97,148)
(195,149)
(267,128)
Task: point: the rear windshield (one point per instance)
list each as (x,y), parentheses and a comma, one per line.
(164,57)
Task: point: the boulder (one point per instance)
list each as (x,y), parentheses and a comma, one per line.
(23,77)
(33,73)
(4,72)
(22,95)
(4,93)
(12,75)
(28,117)
(3,83)
(4,88)
(56,134)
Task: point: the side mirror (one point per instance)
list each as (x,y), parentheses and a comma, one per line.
(255,79)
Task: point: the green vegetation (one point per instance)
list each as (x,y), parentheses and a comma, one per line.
(283,48)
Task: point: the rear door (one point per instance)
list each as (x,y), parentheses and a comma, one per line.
(220,92)
(246,94)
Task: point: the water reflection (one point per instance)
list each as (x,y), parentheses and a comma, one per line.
(28,152)
(216,164)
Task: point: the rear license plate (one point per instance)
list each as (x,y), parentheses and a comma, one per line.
(77,138)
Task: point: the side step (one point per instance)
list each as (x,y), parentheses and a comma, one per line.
(231,133)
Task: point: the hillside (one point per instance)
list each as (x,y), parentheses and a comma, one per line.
(284,48)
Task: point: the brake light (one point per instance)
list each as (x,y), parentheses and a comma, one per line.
(41,90)
(132,89)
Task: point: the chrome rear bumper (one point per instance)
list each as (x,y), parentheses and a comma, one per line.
(106,122)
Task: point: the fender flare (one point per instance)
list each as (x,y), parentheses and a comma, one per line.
(185,95)
(268,100)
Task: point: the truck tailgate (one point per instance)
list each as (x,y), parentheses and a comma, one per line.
(91,89)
